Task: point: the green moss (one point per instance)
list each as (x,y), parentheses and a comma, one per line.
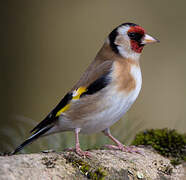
(99,173)
(44,159)
(175,162)
(168,143)
(83,166)
(90,171)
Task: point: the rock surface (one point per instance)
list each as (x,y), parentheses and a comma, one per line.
(104,164)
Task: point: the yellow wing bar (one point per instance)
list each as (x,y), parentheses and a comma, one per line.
(63,110)
(76,95)
(78,92)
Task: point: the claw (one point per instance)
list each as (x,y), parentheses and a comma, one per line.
(120,146)
(129,149)
(84,154)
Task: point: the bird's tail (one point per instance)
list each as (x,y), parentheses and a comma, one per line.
(35,136)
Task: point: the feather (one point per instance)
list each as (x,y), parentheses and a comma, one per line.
(32,138)
(97,85)
(51,118)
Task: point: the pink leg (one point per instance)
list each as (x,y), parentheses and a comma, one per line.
(119,146)
(77,146)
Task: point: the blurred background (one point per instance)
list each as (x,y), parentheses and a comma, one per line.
(48,44)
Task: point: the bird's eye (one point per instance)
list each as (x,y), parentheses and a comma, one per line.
(135,36)
(132,35)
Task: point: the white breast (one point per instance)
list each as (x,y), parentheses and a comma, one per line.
(117,104)
(136,73)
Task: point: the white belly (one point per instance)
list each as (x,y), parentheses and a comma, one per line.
(118,106)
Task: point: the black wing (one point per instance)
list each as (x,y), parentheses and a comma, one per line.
(97,85)
(52,116)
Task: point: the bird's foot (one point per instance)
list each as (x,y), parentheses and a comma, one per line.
(121,147)
(83,153)
(80,152)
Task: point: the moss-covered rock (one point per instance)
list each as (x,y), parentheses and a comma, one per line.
(168,143)
(88,169)
(103,165)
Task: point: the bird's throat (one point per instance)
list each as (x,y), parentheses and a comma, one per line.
(136,46)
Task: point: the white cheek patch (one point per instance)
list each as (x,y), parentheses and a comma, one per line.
(123,30)
(124,45)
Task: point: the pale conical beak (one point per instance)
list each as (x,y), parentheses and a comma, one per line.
(149,39)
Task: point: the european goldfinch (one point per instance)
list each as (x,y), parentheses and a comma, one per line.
(105,91)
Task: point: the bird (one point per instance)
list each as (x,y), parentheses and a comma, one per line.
(104,92)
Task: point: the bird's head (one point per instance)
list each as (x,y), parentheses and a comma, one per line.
(128,40)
